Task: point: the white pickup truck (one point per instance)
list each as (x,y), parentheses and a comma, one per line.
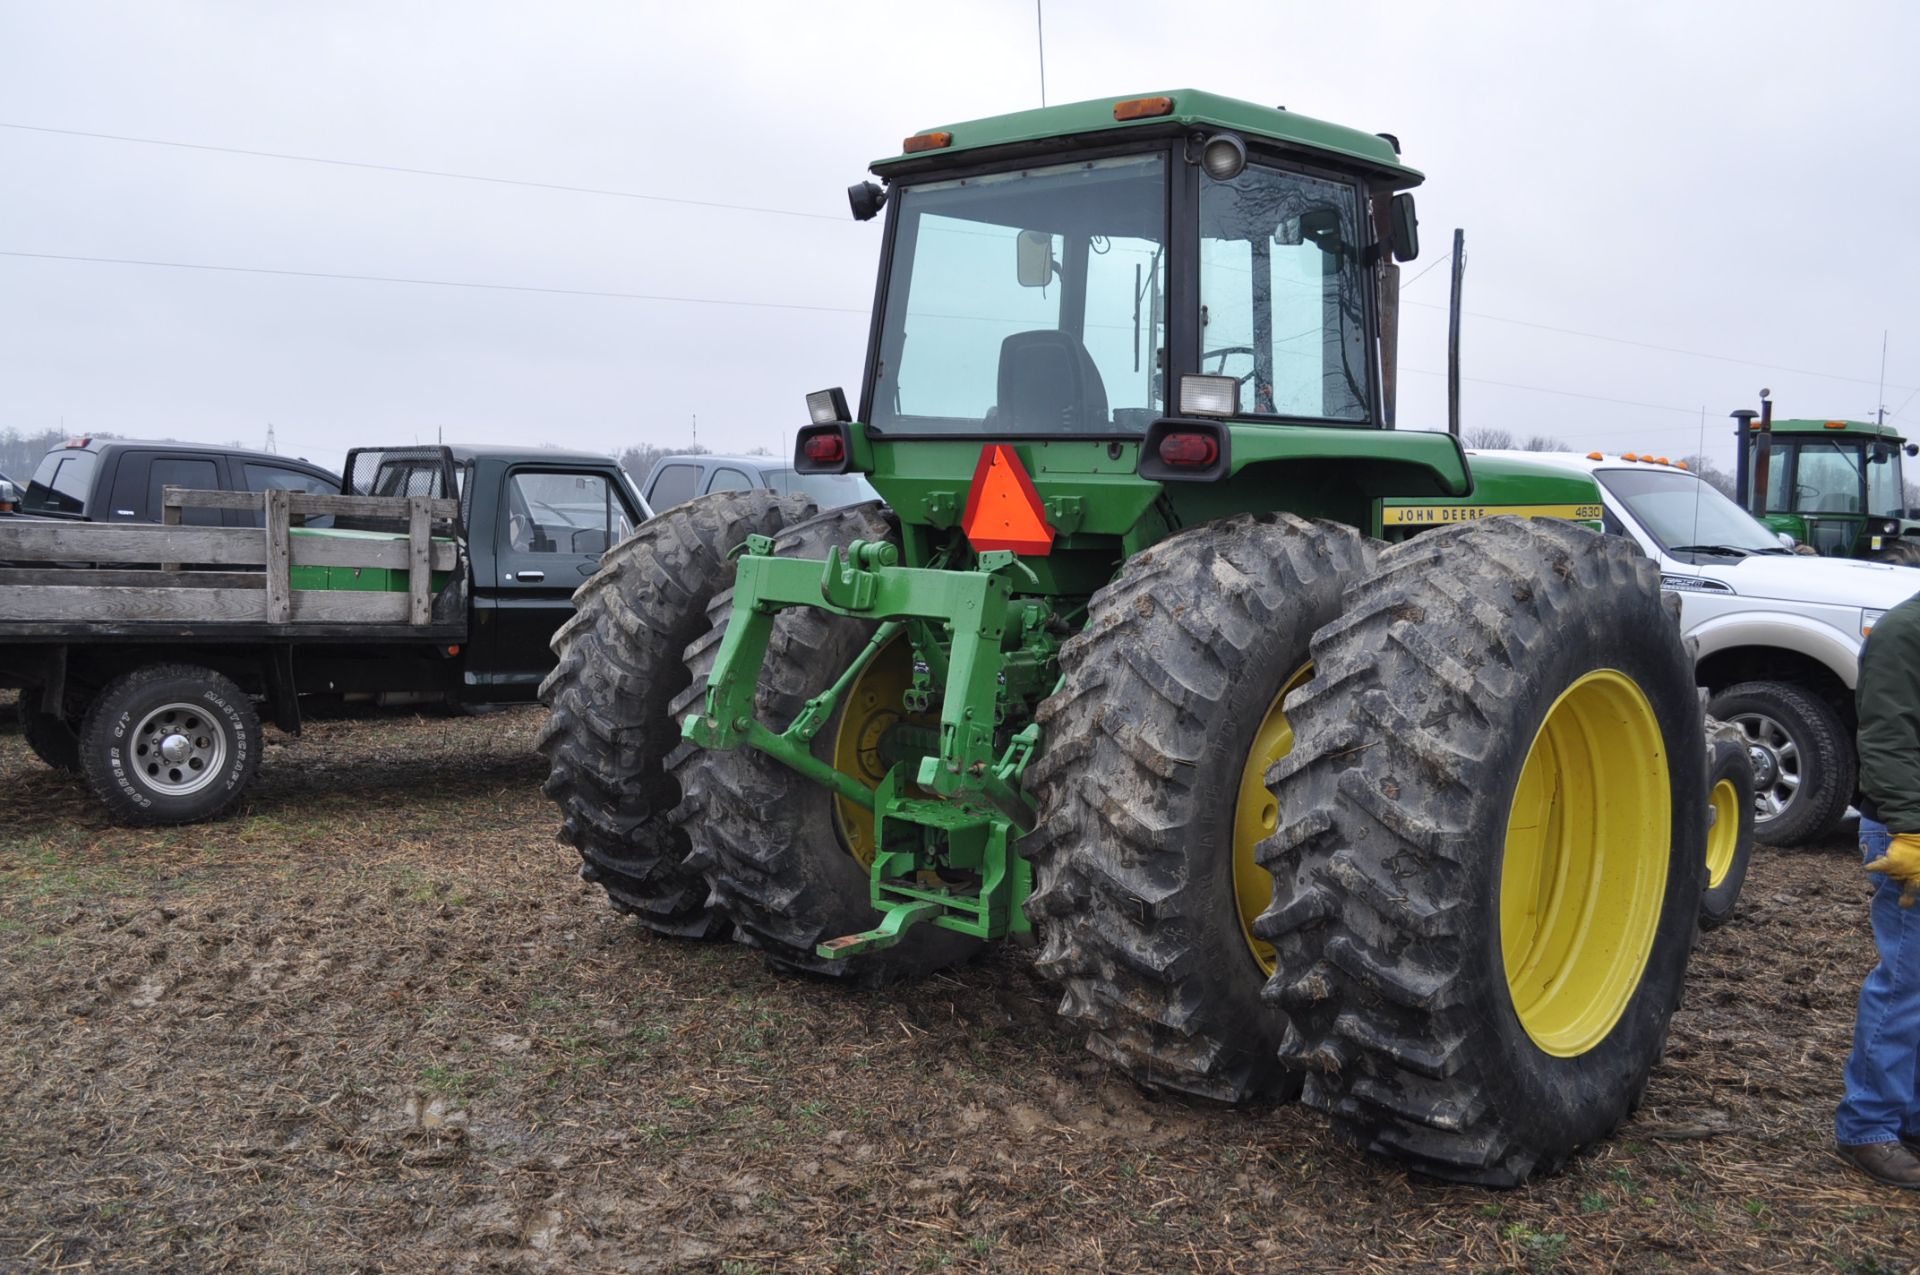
(1779,633)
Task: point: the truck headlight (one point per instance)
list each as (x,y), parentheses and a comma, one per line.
(1868,619)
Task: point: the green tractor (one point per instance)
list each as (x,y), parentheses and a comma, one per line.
(1306,770)
(1837,487)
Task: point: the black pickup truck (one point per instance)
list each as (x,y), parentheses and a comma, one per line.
(442,576)
(120,480)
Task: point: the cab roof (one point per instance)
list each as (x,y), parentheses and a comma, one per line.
(1191,109)
(1578,462)
(1836,427)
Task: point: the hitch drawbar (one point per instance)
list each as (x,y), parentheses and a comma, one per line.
(945,821)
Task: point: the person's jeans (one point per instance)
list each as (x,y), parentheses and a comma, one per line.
(1883,1072)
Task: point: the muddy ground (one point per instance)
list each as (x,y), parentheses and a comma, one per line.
(376,1023)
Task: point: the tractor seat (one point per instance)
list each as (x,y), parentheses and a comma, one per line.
(1049,385)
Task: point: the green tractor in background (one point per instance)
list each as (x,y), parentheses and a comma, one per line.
(1306,771)
(1837,487)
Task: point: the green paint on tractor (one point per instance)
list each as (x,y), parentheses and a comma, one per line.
(1170,649)
(1838,487)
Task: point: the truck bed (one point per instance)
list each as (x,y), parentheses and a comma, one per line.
(66,580)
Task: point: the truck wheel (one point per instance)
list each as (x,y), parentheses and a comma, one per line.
(610,700)
(1803,763)
(785,858)
(52,739)
(170,744)
(1152,794)
(1730,835)
(1489,871)
(1903,551)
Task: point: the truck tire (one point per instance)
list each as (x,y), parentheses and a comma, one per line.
(610,698)
(1803,763)
(170,744)
(52,739)
(1152,796)
(782,855)
(1488,876)
(1730,835)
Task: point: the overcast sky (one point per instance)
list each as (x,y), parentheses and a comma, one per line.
(1733,179)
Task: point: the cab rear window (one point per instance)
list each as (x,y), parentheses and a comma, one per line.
(61,484)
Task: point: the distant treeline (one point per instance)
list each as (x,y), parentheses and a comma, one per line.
(20,453)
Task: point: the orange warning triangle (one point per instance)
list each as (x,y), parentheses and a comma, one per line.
(1003,509)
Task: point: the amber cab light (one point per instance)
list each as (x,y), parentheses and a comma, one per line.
(1189,451)
(1142,108)
(825,448)
(926,142)
(1834,425)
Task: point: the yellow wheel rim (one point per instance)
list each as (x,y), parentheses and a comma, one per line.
(1724,838)
(873,704)
(1584,871)
(1255,815)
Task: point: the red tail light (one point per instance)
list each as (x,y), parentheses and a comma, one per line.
(1189,451)
(825,448)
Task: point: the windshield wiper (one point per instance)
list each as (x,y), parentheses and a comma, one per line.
(1733,551)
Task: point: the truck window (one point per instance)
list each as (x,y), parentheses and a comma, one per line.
(729,480)
(564,513)
(672,485)
(263,477)
(164,472)
(61,484)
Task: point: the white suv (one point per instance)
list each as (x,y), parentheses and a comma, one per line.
(1779,633)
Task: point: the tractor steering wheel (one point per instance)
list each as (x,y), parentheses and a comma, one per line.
(1222,353)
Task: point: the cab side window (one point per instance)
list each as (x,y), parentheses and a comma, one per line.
(672,485)
(264,477)
(729,480)
(564,513)
(177,471)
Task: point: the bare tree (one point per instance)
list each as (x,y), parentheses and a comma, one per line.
(1712,475)
(1492,440)
(1543,443)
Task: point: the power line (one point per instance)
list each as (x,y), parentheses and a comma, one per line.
(425,172)
(1541,389)
(434,283)
(1649,345)
(790,212)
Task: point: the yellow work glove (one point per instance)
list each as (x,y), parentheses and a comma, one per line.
(1902,863)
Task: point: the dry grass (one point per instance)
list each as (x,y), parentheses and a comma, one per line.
(376,1023)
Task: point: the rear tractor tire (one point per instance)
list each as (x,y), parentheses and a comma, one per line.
(611,724)
(1152,796)
(1730,830)
(785,859)
(1489,872)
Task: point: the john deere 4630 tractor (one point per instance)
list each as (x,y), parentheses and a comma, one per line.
(1302,764)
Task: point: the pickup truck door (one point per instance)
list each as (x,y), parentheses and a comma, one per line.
(553,524)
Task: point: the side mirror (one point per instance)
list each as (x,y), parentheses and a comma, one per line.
(1033,258)
(1913,449)
(1406,228)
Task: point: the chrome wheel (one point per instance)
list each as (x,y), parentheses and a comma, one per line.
(1776,764)
(178,749)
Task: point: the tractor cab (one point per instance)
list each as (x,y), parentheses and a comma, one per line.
(1838,487)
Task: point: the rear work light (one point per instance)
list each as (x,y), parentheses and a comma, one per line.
(823,449)
(1189,451)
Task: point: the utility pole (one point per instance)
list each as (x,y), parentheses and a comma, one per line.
(1453,334)
(696,429)
(1880,417)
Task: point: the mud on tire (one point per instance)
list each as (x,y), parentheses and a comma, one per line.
(1411,743)
(1164,693)
(766,838)
(1730,836)
(610,697)
(52,739)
